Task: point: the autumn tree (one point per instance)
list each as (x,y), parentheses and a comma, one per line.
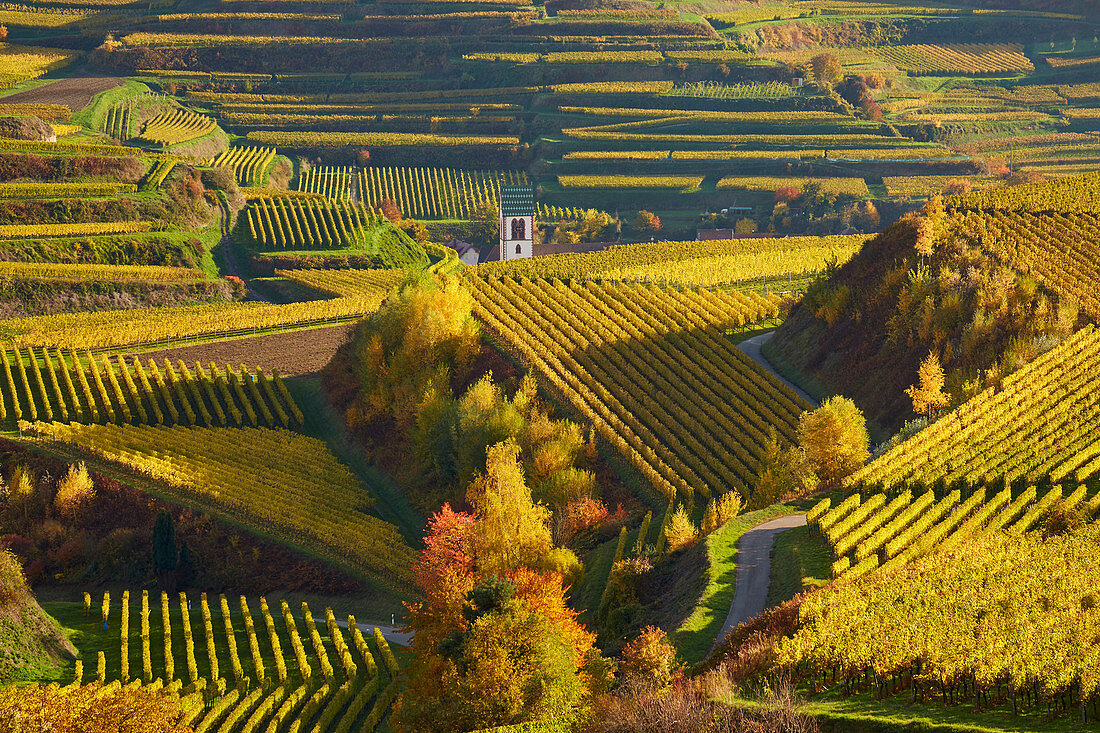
(745,226)
(772,478)
(786,194)
(74,490)
(412,345)
(647,221)
(927,394)
(649,659)
(929,226)
(825,68)
(834,439)
(391,211)
(496,642)
(681,531)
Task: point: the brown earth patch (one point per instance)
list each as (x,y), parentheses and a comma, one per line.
(76,91)
(293,353)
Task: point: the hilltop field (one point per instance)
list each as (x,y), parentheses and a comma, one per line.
(791,424)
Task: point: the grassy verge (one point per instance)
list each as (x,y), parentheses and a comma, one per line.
(696,635)
(800,559)
(862,713)
(323,423)
(95,114)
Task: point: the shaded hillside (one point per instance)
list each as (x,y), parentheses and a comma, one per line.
(994,288)
(29,639)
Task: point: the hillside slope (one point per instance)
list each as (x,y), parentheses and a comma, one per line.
(29,639)
(1002,279)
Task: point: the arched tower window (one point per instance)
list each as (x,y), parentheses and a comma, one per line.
(519,249)
(519,229)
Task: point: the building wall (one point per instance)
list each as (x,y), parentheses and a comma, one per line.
(516,249)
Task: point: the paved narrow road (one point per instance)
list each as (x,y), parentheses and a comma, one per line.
(392,634)
(754,567)
(752,346)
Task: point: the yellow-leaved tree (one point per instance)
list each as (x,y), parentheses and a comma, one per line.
(834,440)
(927,394)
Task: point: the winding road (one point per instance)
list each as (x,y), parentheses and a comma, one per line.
(754,565)
(751,347)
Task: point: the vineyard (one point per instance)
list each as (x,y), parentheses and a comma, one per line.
(946,628)
(304,223)
(346,283)
(434,193)
(20,63)
(890,531)
(76,229)
(331,182)
(311,671)
(250,165)
(712,262)
(608,348)
(63,190)
(70,388)
(173,128)
(1041,423)
(116,329)
(289,484)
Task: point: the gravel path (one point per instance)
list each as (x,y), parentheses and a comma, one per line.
(752,346)
(392,634)
(754,567)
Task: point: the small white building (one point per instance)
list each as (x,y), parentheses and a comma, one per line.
(517,222)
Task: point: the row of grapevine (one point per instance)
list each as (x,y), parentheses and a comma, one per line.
(173,128)
(336,700)
(346,282)
(49,385)
(653,371)
(249,164)
(674,261)
(116,328)
(288,222)
(157,175)
(289,484)
(332,182)
(864,534)
(118,122)
(434,193)
(1042,422)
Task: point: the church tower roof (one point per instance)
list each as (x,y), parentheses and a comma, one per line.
(517,200)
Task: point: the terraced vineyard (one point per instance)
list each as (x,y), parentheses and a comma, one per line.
(289,484)
(173,128)
(890,531)
(286,670)
(434,193)
(1041,423)
(332,182)
(610,349)
(249,164)
(289,222)
(715,262)
(346,282)
(49,385)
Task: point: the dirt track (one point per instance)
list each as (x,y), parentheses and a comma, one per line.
(293,354)
(77,91)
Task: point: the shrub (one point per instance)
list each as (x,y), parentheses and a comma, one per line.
(650,659)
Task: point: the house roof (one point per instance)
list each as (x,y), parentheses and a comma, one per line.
(459,246)
(517,200)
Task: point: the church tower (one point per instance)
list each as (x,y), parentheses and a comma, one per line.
(517,222)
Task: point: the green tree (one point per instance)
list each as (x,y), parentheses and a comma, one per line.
(165,556)
(834,439)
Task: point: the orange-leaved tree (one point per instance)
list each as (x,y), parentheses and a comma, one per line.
(496,642)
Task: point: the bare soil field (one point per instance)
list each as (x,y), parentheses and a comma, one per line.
(294,353)
(76,91)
